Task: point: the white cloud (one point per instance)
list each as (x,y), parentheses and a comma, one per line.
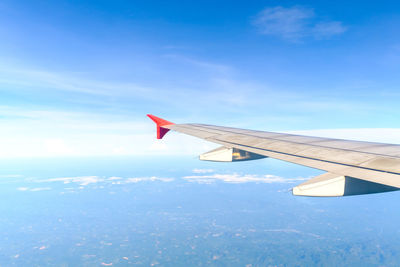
(11,176)
(238,178)
(35,189)
(49,81)
(146,179)
(212,67)
(23,188)
(112,94)
(328,29)
(81,180)
(158,146)
(114,178)
(57,146)
(39,189)
(202,170)
(295,23)
(289,23)
(57,133)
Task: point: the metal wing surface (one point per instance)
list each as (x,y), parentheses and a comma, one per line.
(353,167)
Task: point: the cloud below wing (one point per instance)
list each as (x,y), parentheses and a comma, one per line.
(239,178)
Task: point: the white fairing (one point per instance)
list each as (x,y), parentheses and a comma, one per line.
(333,185)
(222,154)
(330,187)
(227,154)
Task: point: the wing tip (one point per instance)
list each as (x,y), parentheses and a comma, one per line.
(159,121)
(161,131)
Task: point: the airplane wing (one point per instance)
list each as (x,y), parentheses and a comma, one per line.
(352,167)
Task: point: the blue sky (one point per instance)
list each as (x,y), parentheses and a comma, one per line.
(78,77)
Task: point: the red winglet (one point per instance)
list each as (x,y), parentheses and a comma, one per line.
(161,131)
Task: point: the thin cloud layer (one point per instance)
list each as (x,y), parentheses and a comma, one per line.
(295,23)
(238,178)
(80,182)
(86,180)
(206,176)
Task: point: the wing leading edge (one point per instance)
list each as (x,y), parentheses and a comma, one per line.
(353,167)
